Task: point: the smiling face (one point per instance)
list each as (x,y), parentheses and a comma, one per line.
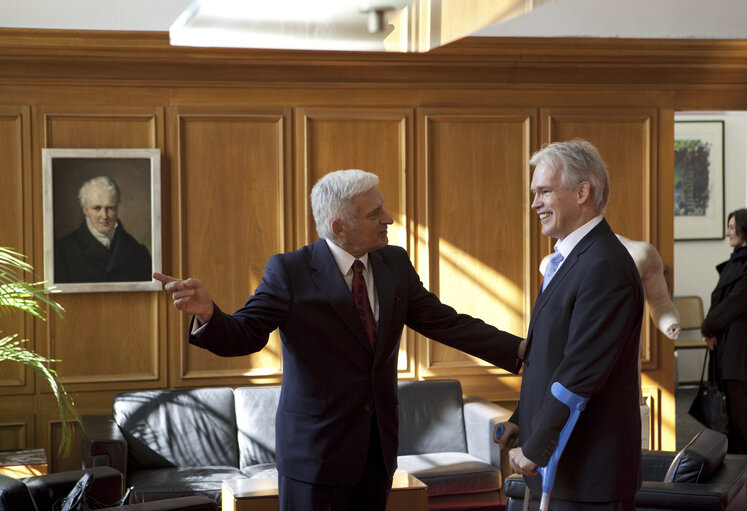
(735,240)
(101,209)
(372,220)
(561,211)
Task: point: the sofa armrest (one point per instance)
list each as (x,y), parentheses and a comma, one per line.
(103,443)
(480,418)
(47,489)
(193,503)
(655,464)
(690,496)
(725,490)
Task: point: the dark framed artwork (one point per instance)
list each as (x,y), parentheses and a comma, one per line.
(698,180)
(102,219)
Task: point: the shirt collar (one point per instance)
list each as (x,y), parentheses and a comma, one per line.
(343,259)
(569,242)
(103,238)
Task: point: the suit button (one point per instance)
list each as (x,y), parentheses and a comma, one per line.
(366,408)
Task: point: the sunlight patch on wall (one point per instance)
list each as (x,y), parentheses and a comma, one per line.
(474,287)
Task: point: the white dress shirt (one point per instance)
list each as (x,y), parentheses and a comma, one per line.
(569,242)
(345,264)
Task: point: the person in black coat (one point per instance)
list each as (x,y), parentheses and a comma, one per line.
(725,330)
(100,250)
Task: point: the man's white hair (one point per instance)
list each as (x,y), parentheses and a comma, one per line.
(578,161)
(332,198)
(102,182)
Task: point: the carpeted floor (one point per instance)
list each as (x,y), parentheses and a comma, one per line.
(686,427)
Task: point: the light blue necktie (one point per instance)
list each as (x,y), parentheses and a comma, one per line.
(552,266)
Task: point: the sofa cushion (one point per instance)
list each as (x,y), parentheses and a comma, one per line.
(182,428)
(431,418)
(166,483)
(698,459)
(255,419)
(449,473)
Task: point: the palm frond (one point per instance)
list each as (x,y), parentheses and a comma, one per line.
(29,297)
(16,293)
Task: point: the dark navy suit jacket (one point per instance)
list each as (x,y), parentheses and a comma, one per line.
(333,381)
(585,333)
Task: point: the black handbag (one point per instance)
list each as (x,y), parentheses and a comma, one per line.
(709,405)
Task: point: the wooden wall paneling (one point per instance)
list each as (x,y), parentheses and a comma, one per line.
(14,140)
(15,435)
(15,230)
(661,374)
(473,215)
(17,422)
(62,461)
(101,127)
(49,430)
(377,140)
(230,195)
(106,339)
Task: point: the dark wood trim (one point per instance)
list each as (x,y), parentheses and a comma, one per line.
(79,55)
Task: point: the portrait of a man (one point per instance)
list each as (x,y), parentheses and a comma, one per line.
(102,219)
(100,249)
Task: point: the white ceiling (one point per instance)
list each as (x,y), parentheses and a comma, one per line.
(721,19)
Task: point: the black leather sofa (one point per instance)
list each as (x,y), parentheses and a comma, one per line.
(42,493)
(699,477)
(186,442)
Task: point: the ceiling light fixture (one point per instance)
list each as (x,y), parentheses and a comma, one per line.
(340,25)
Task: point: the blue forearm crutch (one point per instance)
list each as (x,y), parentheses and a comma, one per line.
(576,405)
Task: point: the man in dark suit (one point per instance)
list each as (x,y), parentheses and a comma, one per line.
(100,250)
(336,428)
(584,332)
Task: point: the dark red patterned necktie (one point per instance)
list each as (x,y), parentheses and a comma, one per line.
(360,297)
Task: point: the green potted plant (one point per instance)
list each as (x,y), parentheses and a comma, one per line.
(16,293)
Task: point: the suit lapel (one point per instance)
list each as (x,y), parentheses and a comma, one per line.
(385,291)
(570,262)
(327,277)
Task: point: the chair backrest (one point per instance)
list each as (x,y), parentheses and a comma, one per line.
(178,428)
(690,309)
(431,417)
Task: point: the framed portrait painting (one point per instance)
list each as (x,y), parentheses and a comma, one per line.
(698,180)
(102,219)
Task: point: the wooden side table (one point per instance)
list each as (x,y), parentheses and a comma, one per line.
(261,494)
(23,463)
